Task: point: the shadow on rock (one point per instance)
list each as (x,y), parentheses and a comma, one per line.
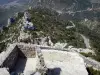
(53,71)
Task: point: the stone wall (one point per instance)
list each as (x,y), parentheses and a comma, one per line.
(28,51)
(13,53)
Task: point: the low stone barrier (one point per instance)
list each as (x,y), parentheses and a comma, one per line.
(9,57)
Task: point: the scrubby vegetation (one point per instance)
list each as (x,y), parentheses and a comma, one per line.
(10,34)
(93,36)
(46,21)
(91,71)
(87,54)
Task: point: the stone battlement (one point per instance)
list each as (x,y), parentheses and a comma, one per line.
(32,59)
(20,54)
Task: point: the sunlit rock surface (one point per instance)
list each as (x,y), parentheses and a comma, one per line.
(3,71)
(31,60)
(64,63)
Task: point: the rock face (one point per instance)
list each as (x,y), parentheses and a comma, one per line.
(64,63)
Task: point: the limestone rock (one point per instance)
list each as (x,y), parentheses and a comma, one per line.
(3,71)
(64,63)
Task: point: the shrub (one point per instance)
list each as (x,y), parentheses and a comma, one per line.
(91,71)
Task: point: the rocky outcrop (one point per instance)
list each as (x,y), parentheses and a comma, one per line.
(62,63)
(24,37)
(16,51)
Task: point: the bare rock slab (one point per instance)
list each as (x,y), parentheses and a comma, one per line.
(64,63)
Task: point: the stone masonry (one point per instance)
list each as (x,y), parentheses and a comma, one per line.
(9,58)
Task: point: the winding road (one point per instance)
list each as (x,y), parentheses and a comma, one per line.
(73,25)
(86,41)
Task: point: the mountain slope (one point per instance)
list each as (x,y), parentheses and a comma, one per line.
(47,24)
(72,9)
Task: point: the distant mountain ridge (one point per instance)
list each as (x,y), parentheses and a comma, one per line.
(73,9)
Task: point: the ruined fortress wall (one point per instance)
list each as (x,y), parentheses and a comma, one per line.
(10,57)
(10,61)
(28,51)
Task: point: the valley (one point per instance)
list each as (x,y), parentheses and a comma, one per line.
(57,26)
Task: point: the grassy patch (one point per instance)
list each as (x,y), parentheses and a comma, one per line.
(10,33)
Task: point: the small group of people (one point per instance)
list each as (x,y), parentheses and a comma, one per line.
(27,22)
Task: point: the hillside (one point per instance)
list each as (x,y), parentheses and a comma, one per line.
(42,26)
(46,22)
(70,9)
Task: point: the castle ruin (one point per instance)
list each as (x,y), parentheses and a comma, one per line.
(30,59)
